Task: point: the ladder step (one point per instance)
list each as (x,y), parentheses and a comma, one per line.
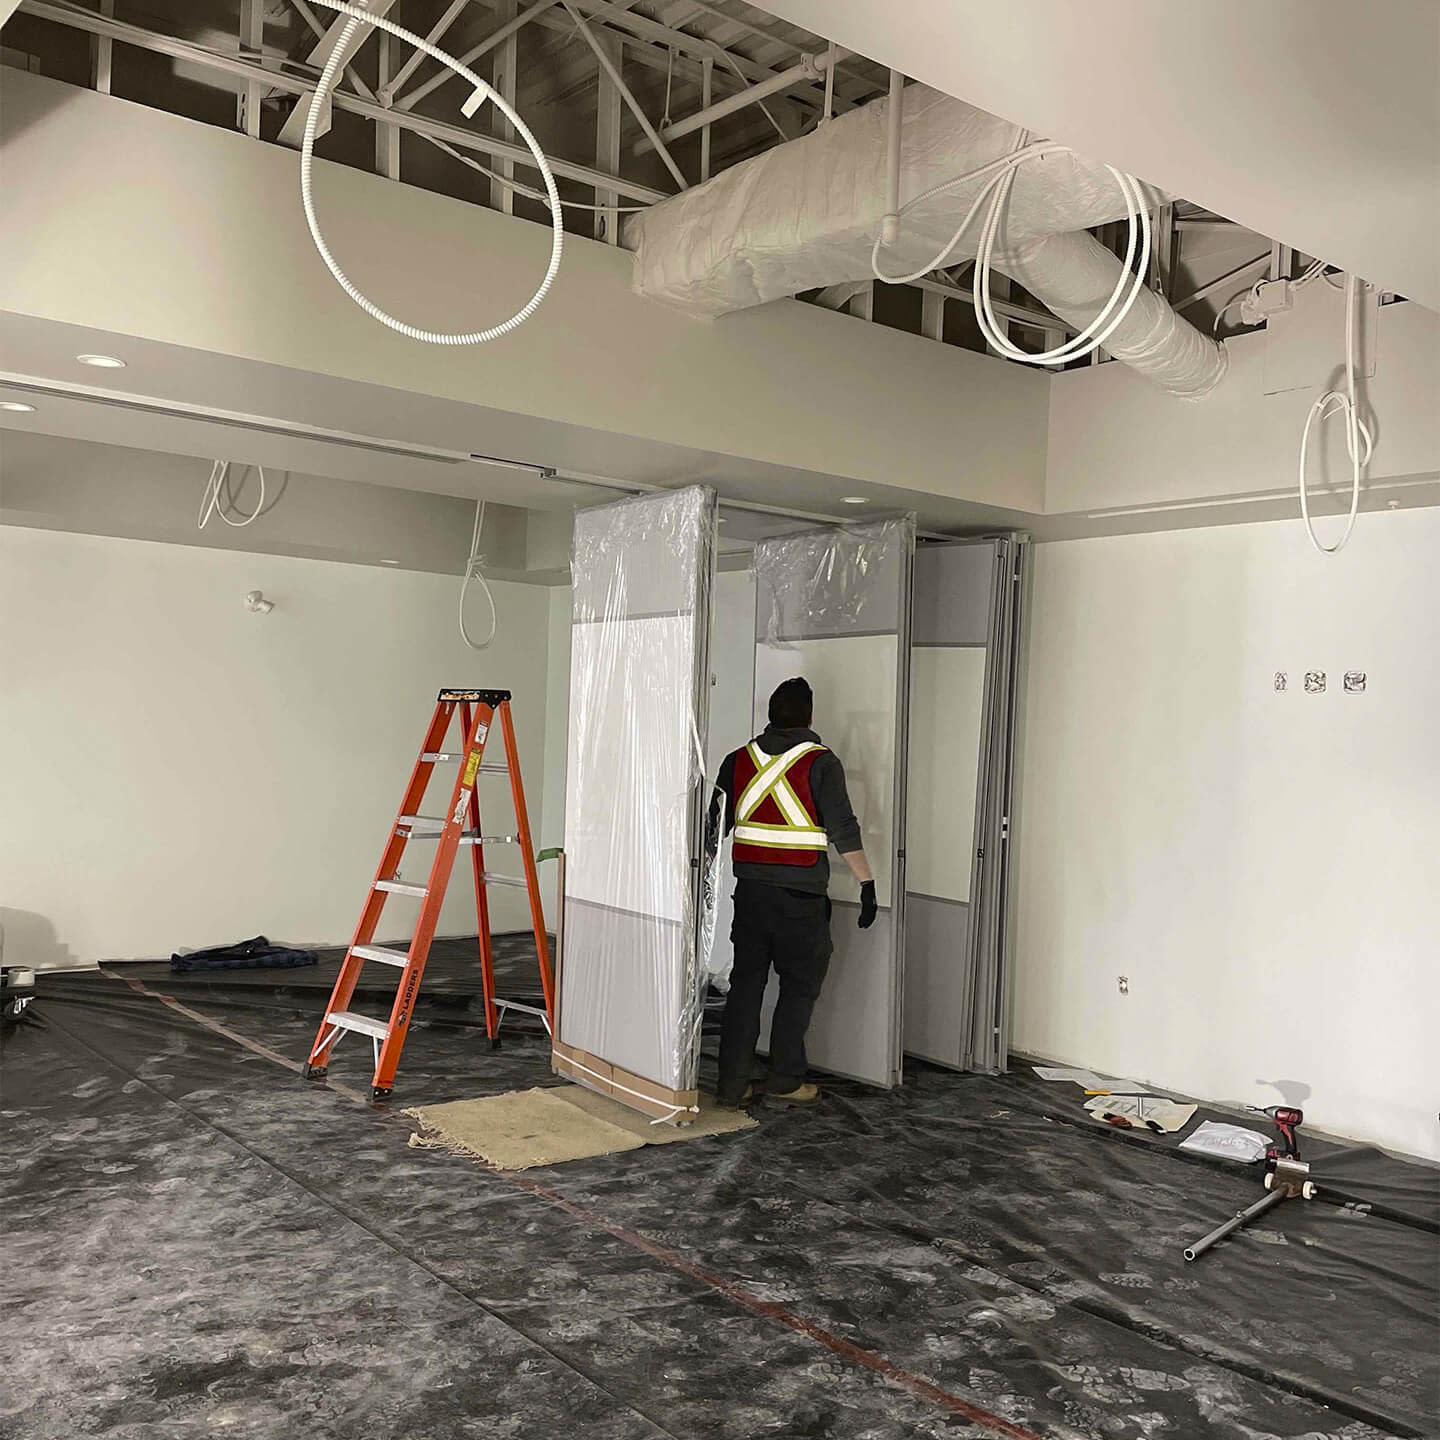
(349,1020)
(435,757)
(438,821)
(397,958)
(402,887)
(519,881)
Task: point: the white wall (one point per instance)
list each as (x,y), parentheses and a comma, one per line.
(1116,440)
(1262,866)
(178,772)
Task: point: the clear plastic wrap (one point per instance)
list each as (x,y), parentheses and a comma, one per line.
(842,580)
(632,980)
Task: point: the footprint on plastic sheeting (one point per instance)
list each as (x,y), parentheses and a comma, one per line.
(1127,1279)
(1153,1379)
(1096,1384)
(131,1086)
(88,1088)
(1269,1237)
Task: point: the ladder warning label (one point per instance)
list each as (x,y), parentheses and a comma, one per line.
(472,765)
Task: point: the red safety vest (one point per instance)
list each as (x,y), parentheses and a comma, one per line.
(775,817)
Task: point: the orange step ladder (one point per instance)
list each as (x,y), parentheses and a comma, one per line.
(460,825)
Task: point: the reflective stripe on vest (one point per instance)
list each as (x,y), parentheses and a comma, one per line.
(798,830)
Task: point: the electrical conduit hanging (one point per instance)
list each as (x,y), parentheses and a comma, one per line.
(1357,433)
(481,92)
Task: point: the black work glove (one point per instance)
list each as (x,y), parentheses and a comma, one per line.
(868,908)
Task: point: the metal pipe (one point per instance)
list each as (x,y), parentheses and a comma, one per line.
(1242,1217)
(707,81)
(807,71)
(890,225)
(153,41)
(610,68)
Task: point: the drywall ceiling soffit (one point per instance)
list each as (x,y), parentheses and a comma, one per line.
(1266,114)
(49,482)
(264,398)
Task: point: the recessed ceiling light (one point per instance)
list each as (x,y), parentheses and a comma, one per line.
(18,406)
(855,499)
(102,362)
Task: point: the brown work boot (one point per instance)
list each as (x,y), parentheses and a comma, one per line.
(801,1095)
(748,1098)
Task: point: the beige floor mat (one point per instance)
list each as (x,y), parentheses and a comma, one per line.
(549,1126)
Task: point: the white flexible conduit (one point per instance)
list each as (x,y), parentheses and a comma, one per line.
(999,176)
(1357,433)
(481,92)
(212,501)
(474,571)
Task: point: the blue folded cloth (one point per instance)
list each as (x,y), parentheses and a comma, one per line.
(256,954)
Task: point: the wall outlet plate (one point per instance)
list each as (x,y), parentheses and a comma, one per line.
(1314,682)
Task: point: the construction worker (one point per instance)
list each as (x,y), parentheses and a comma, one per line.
(784,798)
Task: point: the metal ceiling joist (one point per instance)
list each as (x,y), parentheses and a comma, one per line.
(248,71)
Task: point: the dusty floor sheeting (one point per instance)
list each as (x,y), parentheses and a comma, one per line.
(199,1242)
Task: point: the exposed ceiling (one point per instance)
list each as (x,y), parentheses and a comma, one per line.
(1315,121)
(189,58)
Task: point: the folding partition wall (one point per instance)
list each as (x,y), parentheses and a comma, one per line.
(631,989)
(833,605)
(964,658)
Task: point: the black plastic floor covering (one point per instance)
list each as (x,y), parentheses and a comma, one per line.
(197,1242)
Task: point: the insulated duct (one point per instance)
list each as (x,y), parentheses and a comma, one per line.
(805,215)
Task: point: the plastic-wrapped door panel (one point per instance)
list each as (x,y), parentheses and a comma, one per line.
(834,606)
(630,984)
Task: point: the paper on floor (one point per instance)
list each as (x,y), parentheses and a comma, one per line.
(1087,1078)
(1227,1142)
(1168,1114)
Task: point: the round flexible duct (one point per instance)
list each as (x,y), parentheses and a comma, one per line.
(1073,275)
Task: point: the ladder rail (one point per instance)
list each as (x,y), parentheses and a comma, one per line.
(482,911)
(527,852)
(349,976)
(457,813)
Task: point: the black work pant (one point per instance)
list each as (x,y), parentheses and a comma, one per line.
(789,930)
